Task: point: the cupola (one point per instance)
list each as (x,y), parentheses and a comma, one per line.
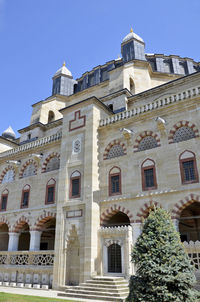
(63,82)
(9,133)
(132,47)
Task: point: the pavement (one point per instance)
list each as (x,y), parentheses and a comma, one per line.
(39,292)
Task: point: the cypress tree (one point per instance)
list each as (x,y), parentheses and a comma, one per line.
(163,269)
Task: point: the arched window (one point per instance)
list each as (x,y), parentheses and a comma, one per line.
(132,86)
(50,191)
(183,133)
(25,196)
(4,200)
(30,170)
(115,151)
(75,185)
(9,176)
(51,116)
(53,164)
(148,142)
(115,181)
(188,167)
(148,172)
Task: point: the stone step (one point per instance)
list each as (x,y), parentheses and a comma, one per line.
(92,297)
(103,287)
(84,292)
(107,282)
(107,278)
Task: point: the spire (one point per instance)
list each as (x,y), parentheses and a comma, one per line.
(64,64)
(131,31)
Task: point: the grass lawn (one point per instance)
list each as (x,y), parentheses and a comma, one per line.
(4,297)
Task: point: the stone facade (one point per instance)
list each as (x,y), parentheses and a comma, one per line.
(97,155)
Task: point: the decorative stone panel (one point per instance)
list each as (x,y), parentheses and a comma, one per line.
(189,130)
(78,121)
(114,149)
(29,162)
(5,171)
(146,140)
(49,157)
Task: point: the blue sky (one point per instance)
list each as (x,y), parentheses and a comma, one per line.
(36,36)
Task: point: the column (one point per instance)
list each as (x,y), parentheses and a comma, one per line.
(136,231)
(176,224)
(35,240)
(13,241)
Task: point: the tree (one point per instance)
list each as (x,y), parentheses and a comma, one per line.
(164,272)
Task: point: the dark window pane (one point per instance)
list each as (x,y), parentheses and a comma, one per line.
(75,187)
(115,188)
(4,202)
(114,259)
(188,170)
(25,199)
(50,197)
(149,179)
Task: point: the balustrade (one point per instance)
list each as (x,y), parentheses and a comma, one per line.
(36,258)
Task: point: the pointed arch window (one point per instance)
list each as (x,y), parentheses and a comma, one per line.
(115,181)
(148,171)
(50,191)
(132,86)
(75,185)
(188,168)
(4,200)
(25,197)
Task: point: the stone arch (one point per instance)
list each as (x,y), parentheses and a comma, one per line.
(5,171)
(3,220)
(28,162)
(144,134)
(113,210)
(115,142)
(48,158)
(19,224)
(112,241)
(42,219)
(51,116)
(183,203)
(180,124)
(144,211)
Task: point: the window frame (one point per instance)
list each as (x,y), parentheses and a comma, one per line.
(22,197)
(46,195)
(2,196)
(71,185)
(181,161)
(144,187)
(110,182)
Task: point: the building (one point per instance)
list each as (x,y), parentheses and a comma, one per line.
(97,155)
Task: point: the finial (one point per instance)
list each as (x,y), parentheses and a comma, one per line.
(64,64)
(131,31)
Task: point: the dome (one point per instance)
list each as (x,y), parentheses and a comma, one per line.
(132,35)
(63,70)
(9,133)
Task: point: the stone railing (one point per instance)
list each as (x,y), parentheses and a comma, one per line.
(193,250)
(34,144)
(38,258)
(163,101)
